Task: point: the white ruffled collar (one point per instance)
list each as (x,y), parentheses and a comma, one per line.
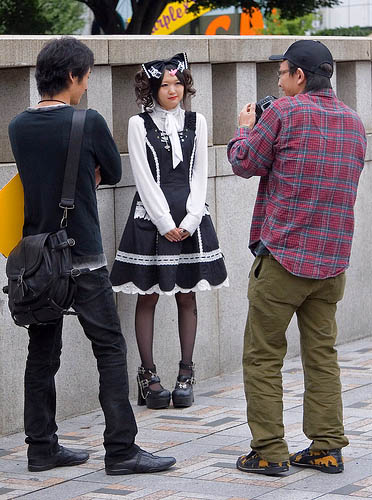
(171,123)
(176,112)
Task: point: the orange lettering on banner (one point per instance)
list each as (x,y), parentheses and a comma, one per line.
(250,24)
(220,22)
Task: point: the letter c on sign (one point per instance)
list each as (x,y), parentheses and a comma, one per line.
(220,22)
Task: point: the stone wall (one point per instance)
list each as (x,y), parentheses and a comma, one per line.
(228,72)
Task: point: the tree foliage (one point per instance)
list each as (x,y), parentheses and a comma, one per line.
(146,12)
(22,17)
(65,16)
(275,25)
(40,17)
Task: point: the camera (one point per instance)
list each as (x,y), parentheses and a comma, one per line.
(263,104)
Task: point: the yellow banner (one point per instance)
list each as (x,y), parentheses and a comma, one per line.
(11,210)
(174,16)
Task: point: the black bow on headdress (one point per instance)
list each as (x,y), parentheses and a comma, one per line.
(154,69)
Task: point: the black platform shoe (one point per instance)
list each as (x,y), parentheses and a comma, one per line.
(154,400)
(183,395)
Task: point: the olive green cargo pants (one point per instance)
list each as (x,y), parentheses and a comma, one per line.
(274,296)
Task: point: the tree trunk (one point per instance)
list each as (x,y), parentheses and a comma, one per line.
(106,16)
(145,14)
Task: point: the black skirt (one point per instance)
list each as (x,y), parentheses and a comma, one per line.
(147,262)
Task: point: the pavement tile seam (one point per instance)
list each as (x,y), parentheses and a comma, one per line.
(218,415)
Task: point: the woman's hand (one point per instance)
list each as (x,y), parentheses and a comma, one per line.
(183,233)
(173,235)
(177,234)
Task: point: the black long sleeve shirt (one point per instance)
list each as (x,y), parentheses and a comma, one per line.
(39,138)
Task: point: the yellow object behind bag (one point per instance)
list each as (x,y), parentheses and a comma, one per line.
(11,215)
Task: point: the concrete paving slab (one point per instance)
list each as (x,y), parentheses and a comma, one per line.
(206,440)
(288,494)
(215,487)
(219,440)
(64,491)
(335,497)
(355,471)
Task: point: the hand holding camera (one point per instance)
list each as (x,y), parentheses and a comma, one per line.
(263,104)
(251,112)
(247,116)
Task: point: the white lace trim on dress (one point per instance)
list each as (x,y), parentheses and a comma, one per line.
(199,287)
(156,160)
(140,211)
(206,210)
(168,260)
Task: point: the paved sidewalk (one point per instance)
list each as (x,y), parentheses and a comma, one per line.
(206,439)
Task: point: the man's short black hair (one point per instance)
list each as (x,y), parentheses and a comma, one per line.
(314,81)
(57,59)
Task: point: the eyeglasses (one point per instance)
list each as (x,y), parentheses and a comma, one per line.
(281,72)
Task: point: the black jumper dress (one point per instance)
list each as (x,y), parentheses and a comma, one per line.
(147,262)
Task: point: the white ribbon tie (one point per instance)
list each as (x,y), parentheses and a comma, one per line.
(171,131)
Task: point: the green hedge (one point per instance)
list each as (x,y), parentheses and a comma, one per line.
(352,31)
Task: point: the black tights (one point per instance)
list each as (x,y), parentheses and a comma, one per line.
(144,324)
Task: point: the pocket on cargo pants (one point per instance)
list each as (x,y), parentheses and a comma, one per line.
(257,273)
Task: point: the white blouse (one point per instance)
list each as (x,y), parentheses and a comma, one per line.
(149,191)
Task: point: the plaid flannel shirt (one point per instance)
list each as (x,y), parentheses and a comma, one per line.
(309,152)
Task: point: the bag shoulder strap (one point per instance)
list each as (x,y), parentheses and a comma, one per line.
(73,158)
(190,120)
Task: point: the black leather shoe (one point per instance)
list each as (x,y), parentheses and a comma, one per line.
(142,462)
(183,395)
(63,458)
(154,400)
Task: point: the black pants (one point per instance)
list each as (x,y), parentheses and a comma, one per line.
(99,319)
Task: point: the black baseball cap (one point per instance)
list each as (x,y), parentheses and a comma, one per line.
(308,55)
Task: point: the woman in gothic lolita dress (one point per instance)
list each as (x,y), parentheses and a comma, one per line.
(169,245)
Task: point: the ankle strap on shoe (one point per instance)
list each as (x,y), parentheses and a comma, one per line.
(186,379)
(152,371)
(145,382)
(183,381)
(185,366)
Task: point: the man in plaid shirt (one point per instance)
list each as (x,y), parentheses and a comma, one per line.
(308,148)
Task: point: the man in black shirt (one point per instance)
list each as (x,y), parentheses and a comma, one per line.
(39,137)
